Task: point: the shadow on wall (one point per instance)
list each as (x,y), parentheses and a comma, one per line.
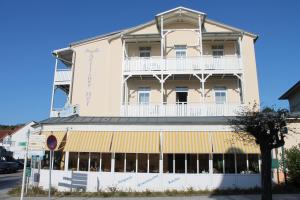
(78,181)
(234,172)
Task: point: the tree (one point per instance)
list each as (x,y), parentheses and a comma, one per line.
(268,127)
(292,160)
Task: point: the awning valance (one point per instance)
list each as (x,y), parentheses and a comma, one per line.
(135,142)
(230,142)
(60,137)
(88,141)
(186,142)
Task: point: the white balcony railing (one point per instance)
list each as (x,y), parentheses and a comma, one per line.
(206,62)
(180,110)
(63,76)
(66,111)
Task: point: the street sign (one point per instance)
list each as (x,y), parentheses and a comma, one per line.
(36,142)
(51,142)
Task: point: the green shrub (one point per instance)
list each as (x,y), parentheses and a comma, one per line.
(292,160)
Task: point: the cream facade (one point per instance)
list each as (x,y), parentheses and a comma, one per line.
(147,108)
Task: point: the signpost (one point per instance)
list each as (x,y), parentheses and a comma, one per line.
(24,168)
(51,143)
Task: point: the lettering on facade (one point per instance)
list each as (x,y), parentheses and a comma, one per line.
(125,179)
(147,181)
(173,180)
(88,94)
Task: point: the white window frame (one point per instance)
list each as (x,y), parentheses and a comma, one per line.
(145,50)
(222,89)
(180,48)
(145,90)
(217,48)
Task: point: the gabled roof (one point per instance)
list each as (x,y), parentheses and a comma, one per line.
(290,91)
(180,8)
(4,133)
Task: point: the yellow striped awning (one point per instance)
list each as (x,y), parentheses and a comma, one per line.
(230,142)
(186,142)
(135,142)
(60,137)
(88,141)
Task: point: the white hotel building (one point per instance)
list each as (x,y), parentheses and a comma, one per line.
(147,108)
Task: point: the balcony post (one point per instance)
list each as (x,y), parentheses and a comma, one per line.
(240,51)
(200,34)
(162,36)
(54,86)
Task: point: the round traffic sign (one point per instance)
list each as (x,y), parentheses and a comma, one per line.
(51,142)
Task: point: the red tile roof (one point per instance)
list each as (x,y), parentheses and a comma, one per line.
(4,133)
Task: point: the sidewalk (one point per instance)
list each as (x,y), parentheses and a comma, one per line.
(227,197)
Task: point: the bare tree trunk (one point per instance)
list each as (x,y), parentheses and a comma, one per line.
(266,179)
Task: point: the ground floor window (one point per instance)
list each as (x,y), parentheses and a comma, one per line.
(130,162)
(191,163)
(46,160)
(241,163)
(179,163)
(142,163)
(73,159)
(218,163)
(83,161)
(253,163)
(119,162)
(58,160)
(203,163)
(106,162)
(94,162)
(168,163)
(229,163)
(154,163)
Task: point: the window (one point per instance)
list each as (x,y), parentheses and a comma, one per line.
(179,163)
(130,162)
(218,163)
(46,160)
(153,163)
(220,95)
(73,157)
(203,163)
(94,162)
(83,161)
(191,163)
(105,162)
(145,52)
(144,95)
(181,94)
(180,51)
(229,163)
(142,163)
(119,162)
(168,163)
(253,163)
(241,163)
(217,50)
(58,160)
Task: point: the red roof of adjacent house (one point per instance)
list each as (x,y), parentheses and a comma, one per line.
(4,133)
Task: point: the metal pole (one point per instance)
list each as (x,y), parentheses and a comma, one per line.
(50,166)
(24,167)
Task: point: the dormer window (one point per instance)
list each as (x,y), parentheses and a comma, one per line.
(180,51)
(217,50)
(145,52)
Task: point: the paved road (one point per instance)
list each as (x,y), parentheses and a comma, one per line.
(230,197)
(8,181)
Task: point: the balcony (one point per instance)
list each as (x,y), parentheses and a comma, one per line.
(66,111)
(63,77)
(224,64)
(180,110)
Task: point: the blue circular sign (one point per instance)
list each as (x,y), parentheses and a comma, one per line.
(51,142)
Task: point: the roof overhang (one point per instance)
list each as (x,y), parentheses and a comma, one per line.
(65,55)
(290,91)
(179,14)
(141,37)
(221,36)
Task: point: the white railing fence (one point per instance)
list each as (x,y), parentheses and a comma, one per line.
(180,109)
(63,75)
(206,62)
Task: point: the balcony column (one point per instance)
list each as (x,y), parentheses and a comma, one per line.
(54,86)
(162,36)
(202,80)
(241,87)
(240,51)
(200,35)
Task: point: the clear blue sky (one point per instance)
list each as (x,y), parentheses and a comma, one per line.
(30,30)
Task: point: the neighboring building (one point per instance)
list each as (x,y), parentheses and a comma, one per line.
(16,140)
(293,96)
(147,107)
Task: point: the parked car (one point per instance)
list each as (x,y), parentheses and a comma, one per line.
(8,167)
